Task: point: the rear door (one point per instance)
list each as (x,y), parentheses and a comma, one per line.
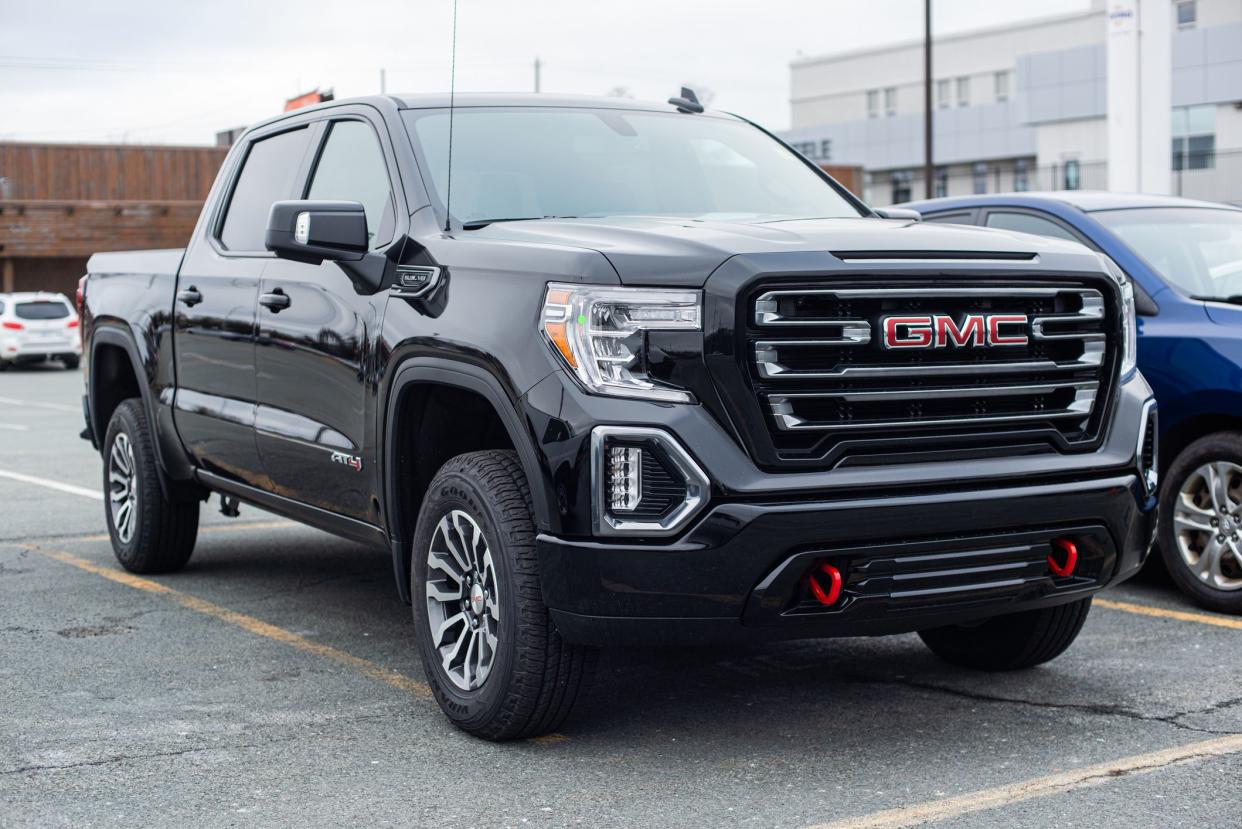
(214,315)
(317,335)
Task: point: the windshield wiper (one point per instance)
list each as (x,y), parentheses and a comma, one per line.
(1232,299)
(481,223)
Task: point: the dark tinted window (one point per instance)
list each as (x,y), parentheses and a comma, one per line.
(351,168)
(267,176)
(1026,223)
(950,218)
(41,309)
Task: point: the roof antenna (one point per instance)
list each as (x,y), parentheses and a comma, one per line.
(686,102)
(448,198)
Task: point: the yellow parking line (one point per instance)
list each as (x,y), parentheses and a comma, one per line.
(248,623)
(1180,615)
(1053,784)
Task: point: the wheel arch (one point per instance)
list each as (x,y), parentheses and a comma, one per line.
(1185,432)
(417,379)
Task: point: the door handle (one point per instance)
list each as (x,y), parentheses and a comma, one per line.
(277,300)
(190,296)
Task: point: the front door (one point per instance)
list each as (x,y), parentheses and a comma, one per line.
(214,312)
(315,423)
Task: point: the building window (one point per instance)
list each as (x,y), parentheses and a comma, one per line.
(1187,13)
(1021,176)
(979,178)
(873,103)
(943,94)
(963,92)
(1000,81)
(890,101)
(1073,175)
(942,182)
(1194,137)
(901,180)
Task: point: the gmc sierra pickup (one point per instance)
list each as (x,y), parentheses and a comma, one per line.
(597,372)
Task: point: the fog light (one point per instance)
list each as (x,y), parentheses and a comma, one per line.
(625,486)
(644,483)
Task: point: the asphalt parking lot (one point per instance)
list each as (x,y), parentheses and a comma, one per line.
(273,682)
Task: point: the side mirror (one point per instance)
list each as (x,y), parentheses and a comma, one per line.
(312,231)
(898,213)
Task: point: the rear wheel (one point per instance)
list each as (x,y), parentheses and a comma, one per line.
(1201,521)
(1011,642)
(150,534)
(495,661)
(71,361)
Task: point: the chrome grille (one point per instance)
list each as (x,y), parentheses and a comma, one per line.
(819,368)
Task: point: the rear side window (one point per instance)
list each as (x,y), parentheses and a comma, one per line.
(965,218)
(267,176)
(351,168)
(41,309)
(1026,223)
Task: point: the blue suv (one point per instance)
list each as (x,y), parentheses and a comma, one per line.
(1185,259)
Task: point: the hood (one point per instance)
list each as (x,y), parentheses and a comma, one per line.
(660,250)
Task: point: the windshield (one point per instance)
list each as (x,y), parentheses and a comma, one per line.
(511,163)
(1196,249)
(41,309)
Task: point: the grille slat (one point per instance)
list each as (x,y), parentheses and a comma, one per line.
(1045,366)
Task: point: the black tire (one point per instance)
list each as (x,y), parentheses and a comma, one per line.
(71,361)
(1010,642)
(1221,446)
(161,533)
(535,676)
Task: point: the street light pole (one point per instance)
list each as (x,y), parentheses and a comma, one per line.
(929,168)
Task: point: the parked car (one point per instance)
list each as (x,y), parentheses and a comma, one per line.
(38,326)
(1185,258)
(644,374)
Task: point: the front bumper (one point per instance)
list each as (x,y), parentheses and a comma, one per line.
(919,545)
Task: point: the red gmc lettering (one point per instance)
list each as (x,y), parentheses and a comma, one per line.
(918,332)
(970,333)
(941,330)
(995,337)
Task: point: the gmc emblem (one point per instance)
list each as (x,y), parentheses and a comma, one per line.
(941,330)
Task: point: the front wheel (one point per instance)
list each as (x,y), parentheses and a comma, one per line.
(150,533)
(495,661)
(1010,642)
(1201,521)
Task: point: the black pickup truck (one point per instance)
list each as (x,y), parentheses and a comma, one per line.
(597,372)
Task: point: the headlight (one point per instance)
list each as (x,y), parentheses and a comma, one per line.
(1129,327)
(600,333)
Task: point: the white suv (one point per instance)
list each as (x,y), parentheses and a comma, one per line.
(38,326)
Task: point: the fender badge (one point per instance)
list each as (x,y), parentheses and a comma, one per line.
(354,462)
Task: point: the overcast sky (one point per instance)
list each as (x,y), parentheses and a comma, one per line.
(170,71)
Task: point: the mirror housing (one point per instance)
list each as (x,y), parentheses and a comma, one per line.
(898,213)
(312,231)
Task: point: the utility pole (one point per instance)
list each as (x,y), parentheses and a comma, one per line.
(929,167)
(383,82)
(538,66)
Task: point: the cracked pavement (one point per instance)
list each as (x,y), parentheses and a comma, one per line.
(123,708)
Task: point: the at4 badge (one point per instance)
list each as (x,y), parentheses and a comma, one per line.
(354,462)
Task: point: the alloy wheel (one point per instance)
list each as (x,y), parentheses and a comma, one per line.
(463,601)
(122,487)
(1207,524)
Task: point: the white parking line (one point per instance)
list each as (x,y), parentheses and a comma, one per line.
(14,427)
(55,407)
(56,485)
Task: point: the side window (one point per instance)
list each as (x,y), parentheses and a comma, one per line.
(951,218)
(1026,223)
(351,168)
(268,175)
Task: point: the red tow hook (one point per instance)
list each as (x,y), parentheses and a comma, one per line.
(833,576)
(1071,558)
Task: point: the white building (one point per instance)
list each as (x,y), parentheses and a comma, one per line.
(1020,107)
